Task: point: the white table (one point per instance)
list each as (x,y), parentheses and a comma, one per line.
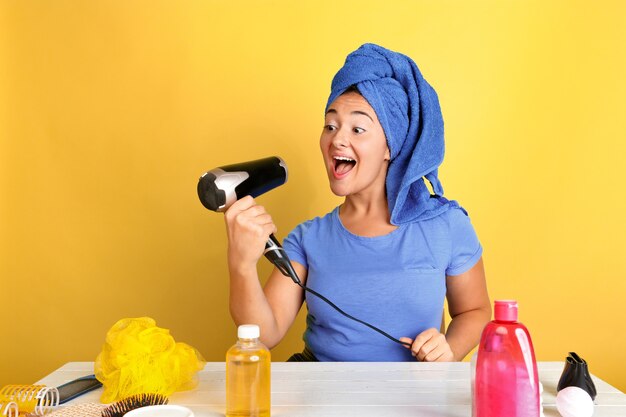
(358,389)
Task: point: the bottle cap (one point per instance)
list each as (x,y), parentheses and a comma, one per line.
(505,310)
(248,331)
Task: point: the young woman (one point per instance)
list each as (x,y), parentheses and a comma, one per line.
(391,252)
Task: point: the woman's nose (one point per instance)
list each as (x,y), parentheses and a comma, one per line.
(340,140)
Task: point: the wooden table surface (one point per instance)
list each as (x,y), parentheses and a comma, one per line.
(363,389)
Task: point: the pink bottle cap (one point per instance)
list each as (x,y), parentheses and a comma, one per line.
(505,310)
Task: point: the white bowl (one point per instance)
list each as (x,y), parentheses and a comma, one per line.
(160,411)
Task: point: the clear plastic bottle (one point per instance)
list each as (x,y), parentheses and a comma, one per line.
(248,371)
(506,383)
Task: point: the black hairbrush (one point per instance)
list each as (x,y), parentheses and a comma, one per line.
(118,409)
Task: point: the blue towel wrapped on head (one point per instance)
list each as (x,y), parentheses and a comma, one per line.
(408,110)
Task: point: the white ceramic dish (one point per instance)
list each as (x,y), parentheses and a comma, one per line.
(160,411)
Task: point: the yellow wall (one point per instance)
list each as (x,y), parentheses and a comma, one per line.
(110,111)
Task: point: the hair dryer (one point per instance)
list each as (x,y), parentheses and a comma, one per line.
(219,188)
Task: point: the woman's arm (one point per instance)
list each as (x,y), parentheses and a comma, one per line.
(274,308)
(470,309)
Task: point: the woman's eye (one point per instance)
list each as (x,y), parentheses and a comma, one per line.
(330,128)
(358,130)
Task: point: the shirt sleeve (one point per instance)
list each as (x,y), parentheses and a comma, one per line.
(294,247)
(466,249)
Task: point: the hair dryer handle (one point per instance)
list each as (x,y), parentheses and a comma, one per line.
(277,255)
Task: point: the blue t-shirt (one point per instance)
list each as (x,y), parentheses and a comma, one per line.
(396,282)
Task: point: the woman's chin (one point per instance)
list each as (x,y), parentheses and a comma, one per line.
(338,190)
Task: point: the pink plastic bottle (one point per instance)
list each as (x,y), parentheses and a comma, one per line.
(506,383)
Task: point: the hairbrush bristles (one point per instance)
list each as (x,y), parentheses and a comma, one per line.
(118,409)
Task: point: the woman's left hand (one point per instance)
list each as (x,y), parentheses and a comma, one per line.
(430,346)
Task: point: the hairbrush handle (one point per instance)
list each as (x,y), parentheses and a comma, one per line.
(77,387)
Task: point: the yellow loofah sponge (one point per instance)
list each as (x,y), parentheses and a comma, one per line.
(138,357)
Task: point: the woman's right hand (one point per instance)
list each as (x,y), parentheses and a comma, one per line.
(248,227)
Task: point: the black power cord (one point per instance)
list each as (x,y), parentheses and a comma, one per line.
(330,303)
(280,259)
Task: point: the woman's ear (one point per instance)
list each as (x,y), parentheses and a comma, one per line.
(387,154)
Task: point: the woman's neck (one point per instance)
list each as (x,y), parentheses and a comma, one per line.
(366,217)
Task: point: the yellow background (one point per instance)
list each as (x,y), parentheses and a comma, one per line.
(111,110)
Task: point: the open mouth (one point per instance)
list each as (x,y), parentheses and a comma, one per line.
(343,165)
